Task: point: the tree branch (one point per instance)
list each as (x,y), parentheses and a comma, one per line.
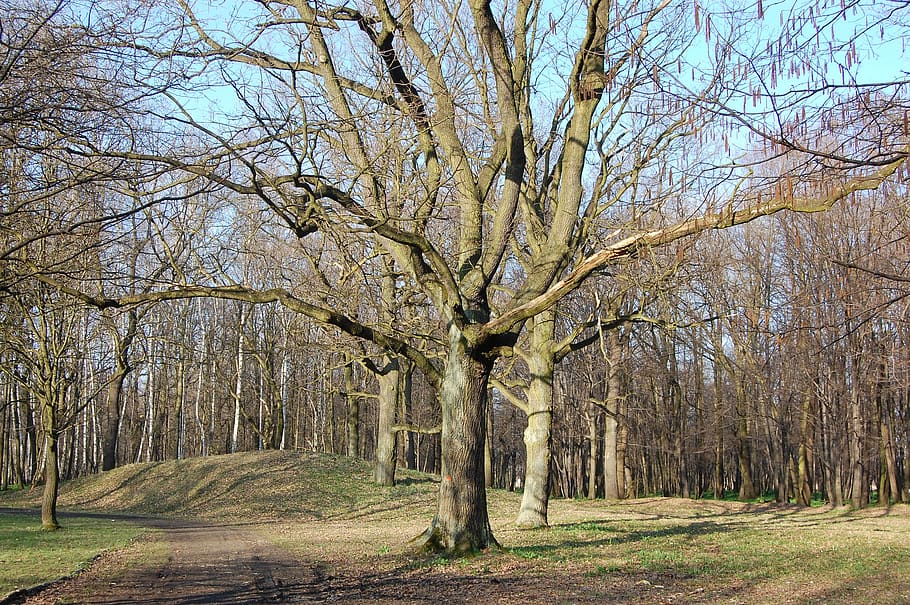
(631,246)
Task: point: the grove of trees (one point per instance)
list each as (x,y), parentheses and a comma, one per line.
(598,250)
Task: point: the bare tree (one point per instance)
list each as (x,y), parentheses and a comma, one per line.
(512,149)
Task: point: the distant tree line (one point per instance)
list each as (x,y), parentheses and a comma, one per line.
(773,362)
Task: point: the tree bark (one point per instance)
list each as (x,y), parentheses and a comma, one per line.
(538,433)
(488,450)
(409,450)
(389,396)
(806,450)
(592,420)
(859,489)
(614,464)
(238,386)
(888,486)
(461,523)
(353,413)
(179,412)
(5,442)
(111,433)
(747,490)
(51,468)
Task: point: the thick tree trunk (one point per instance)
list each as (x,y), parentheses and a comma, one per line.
(538,433)
(112,420)
(747,489)
(612,464)
(888,483)
(389,395)
(51,469)
(461,523)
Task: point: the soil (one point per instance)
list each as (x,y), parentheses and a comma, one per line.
(234,564)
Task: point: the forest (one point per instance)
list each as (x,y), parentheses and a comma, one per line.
(576,252)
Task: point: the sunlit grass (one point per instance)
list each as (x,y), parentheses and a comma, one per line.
(30,555)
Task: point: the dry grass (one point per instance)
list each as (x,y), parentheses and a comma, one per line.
(324,508)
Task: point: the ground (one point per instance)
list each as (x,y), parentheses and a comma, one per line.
(292,528)
(218,563)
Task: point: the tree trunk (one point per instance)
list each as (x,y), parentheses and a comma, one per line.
(488,450)
(806,450)
(353,415)
(611,460)
(461,523)
(283,398)
(408,444)
(5,442)
(538,433)
(238,388)
(51,469)
(747,490)
(19,443)
(614,463)
(889,461)
(718,479)
(859,489)
(112,424)
(111,433)
(389,396)
(179,412)
(592,420)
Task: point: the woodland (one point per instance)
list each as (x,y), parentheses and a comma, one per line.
(605,249)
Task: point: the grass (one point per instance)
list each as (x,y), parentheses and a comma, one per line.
(30,555)
(838,551)
(274,485)
(325,508)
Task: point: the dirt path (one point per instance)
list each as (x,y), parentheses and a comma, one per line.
(205,564)
(232,564)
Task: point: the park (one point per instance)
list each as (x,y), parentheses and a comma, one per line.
(534,280)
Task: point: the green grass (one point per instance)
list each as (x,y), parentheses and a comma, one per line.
(30,555)
(771,544)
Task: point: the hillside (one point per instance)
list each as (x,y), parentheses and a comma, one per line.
(253,485)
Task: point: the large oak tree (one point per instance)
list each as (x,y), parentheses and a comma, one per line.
(481,147)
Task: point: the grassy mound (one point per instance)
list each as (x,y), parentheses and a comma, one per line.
(251,485)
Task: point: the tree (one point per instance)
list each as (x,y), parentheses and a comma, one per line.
(509,150)
(43,358)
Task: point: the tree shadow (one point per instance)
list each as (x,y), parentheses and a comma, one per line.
(614,535)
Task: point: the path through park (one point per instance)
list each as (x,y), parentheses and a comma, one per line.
(232,564)
(204,564)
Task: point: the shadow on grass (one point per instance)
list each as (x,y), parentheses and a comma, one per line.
(602,533)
